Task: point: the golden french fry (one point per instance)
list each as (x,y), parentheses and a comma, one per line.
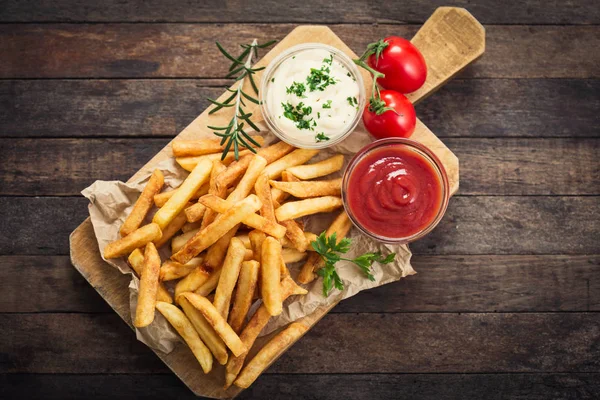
(209,235)
(216,253)
(189,163)
(245,239)
(161,198)
(143,203)
(193,280)
(296,157)
(283,269)
(253,220)
(310,237)
(243,294)
(340,226)
(199,147)
(171,270)
(269,353)
(205,331)
(179,241)
(231,339)
(305,189)
(138,238)
(271,154)
(174,226)
(263,191)
(248,255)
(279,195)
(185,328)
(316,170)
(292,255)
(256,240)
(270,275)
(215,189)
(211,284)
(295,234)
(297,209)
(246,184)
(190,226)
(229,275)
(255,326)
(144,312)
(136,260)
(195,212)
(184,193)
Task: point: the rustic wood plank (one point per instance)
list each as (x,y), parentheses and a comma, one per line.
(503,166)
(354,11)
(316,387)
(472,225)
(443,284)
(186,50)
(163,107)
(424,343)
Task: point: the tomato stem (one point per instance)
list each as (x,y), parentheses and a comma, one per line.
(376,104)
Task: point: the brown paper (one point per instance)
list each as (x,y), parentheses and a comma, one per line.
(112,201)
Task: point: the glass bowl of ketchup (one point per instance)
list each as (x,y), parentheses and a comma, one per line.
(395,190)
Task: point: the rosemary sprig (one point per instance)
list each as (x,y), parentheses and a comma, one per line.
(234,134)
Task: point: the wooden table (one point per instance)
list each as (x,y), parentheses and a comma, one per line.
(506,300)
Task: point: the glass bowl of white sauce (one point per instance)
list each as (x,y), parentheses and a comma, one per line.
(312,96)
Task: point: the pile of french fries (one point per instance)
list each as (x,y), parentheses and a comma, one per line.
(232,227)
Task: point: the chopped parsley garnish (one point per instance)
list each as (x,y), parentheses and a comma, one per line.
(328,60)
(321,137)
(327,104)
(297,115)
(349,75)
(296,88)
(352,101)
(319,79)
(318,115)
(272,79)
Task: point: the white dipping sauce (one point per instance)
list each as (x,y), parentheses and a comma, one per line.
(317,91)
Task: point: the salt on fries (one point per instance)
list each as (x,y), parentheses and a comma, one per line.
(217,272)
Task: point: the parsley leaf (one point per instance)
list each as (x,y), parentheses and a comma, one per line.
(352,101)
(327,104)
(297,115)
(330,249)
(296,88)
(321,137)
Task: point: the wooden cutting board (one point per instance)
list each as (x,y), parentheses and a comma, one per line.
(449,40)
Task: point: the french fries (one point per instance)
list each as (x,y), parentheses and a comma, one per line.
(269,353)
(192,281)
(243,294)
(144,312)
(171,229)
(205,331)
(245,239)
(310,237)
(136,260)
(199,147)
(189,163)
(230,338)
(270,275)
(171,270)
(295,234)
(253,220)
(229,276)
(138,238)
(256,240)
(246,184)
(185,328)
(306,189)
(279,195)
(340,226)
(161,198)
(143,203)
(209,235)
(292,255)
(177,202)
(179,241)
(210,284)
(297,209)
(190,226)
(195,213)
(263,191)
(316,170)
(296,157)
(216,253)
(214,189)
(255,326)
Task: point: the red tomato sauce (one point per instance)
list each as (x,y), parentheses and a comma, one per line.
(394,192)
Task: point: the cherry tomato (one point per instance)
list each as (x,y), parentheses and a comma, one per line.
(401,62)
(398,119)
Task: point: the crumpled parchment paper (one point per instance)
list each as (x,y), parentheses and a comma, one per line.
(112,201)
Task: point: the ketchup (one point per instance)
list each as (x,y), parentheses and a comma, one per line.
(394,192)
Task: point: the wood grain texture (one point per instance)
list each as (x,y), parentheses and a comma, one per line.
(185,50)
(472,225)
(443,284)
(163,107)
(354,11)
(489,166)
(423,343)
(314,387)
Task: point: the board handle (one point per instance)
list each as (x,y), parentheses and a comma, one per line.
(449,40)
